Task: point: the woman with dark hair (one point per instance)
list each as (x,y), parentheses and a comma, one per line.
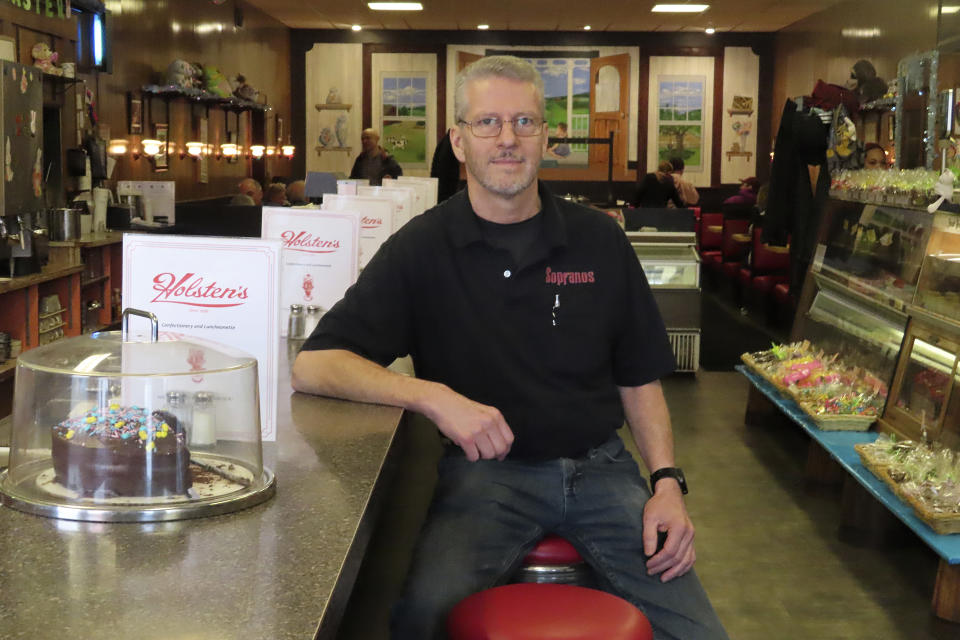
(657,188)
(874,156)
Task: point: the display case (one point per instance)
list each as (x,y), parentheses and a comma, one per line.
(672,266)
(111,428)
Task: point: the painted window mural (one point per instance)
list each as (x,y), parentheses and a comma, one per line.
(680,120)
(566,84)
(403,131)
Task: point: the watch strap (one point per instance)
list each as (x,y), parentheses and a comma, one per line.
(668,472)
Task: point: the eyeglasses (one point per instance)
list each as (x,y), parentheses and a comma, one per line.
(491,126)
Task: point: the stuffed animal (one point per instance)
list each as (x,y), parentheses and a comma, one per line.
(45,58)
(864,81)
(183,75)
(216,83)
(243,90)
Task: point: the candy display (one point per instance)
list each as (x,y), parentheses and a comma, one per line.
(835,395)
(122,451)
(904,187)
(927,476)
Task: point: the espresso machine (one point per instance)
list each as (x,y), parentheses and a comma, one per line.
(23,228)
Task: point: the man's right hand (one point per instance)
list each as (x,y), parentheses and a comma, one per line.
(480,430)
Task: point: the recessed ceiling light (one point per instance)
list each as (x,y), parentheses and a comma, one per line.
(483,27)
(586,27)
(709,31)
(949,9)
(395,6)
(861,33)
(680,8)
(356,27)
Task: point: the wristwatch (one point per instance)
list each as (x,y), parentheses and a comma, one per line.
(669,472)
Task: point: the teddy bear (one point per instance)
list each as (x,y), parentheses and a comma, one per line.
(45,58)
(216,83)
(183,75)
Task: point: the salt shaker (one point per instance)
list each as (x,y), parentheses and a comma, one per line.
(295,322)
(204,431)
(313,317)
(177,404)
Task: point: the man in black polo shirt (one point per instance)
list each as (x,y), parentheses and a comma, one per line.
(534,335)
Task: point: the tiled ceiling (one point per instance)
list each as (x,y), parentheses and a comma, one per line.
(544,15)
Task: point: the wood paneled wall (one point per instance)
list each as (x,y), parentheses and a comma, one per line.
(147,35)
(817,47)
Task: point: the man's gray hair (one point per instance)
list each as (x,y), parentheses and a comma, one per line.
(496,67)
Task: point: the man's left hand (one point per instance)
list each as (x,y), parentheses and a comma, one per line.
(665,512)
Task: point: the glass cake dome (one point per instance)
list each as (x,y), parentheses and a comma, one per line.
(107,427)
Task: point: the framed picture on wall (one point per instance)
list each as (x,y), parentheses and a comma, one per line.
(135,113)
(160,161)
(680,120)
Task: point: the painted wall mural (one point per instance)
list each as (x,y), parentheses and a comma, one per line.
(403,129)
(566,87)
(741,81)
(680,120)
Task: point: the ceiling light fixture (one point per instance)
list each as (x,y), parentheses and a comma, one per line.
(680,8)
(395,6)
(709,31)
(586,27)
(483,27)
(356,27)
(949,9)
(861,33)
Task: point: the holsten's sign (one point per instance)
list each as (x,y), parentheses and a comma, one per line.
(48,8)
(225,290)
(320,255)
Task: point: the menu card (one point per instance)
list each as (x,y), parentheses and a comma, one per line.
(376,217)
(432,188)
(320,256)
(226,290)
(403,202)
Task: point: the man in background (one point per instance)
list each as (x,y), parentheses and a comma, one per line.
(296,193)
(374,163)
(251,189)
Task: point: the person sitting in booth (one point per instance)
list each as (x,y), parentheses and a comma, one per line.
(251,189)
(749,187)
(296,193)
(276,195)
(534,335)
(658,188)
(688,193)
(374,163)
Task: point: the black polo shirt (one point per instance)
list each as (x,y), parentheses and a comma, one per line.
(546,342)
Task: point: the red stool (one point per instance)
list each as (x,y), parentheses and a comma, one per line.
(553,560)
(539,611)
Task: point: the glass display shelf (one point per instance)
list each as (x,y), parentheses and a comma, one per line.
(672,266)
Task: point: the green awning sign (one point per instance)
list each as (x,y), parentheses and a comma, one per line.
(47,8)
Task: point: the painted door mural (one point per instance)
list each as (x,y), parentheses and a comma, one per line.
(609,107)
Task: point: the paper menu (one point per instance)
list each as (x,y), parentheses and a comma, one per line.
(403,201)
(226,290)
(432,188)
(320,255)
(418,192)
(375,215)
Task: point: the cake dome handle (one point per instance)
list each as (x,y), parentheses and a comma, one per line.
(154,323)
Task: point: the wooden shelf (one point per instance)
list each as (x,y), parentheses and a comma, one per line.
(332,107)
(12,284)
(321,149)
(92,281)
(740,112)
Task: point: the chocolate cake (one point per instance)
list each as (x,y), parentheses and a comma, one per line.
(122,451)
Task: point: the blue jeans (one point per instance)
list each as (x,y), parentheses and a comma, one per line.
(487,515)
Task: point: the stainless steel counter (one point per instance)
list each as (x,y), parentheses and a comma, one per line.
(283,569)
